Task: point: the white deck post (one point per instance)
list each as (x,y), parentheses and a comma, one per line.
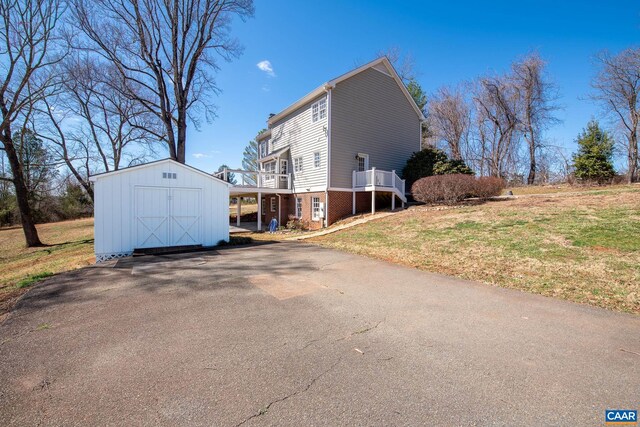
(353,203)
(238,210)
(373,192)
(259,211)
(373,201)
(393,186)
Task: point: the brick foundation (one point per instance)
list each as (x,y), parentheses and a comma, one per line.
(339,207)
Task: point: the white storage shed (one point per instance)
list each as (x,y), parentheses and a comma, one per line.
(158,204)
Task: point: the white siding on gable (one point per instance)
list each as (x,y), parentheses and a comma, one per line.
(133,209)
(304,137)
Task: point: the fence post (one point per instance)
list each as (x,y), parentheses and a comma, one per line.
(373,176)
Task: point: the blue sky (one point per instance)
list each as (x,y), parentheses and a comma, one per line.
(308,43)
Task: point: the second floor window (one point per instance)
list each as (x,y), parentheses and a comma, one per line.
(297,164)
(316,159)
(269,168)
(319,110)
(263,148)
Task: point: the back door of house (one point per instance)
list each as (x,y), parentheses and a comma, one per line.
(167,216)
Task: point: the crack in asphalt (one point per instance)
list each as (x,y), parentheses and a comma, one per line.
(265,409)
(362,331)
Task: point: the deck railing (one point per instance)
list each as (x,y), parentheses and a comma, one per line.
(258,179)
(378,178)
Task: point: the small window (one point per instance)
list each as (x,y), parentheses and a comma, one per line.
(269,168)
(316,159)
(315,208)
(319,110)
(363,162)
(297,164)
(169,175)
(298,207)
(273,204)
(264,207)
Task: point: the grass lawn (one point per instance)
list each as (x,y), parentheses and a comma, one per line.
(584,247)
(69,246)
(246,209)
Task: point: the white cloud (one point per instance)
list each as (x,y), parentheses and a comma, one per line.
(200,155)
(266,67)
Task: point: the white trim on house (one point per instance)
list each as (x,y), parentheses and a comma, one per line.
(331,84)
(342,189)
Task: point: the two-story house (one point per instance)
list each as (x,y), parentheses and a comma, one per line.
(338,149)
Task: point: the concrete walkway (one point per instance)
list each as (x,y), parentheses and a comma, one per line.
(333,229)
(291,334)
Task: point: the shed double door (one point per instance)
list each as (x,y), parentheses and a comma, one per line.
(167,216)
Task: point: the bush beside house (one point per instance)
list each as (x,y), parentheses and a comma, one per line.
(454,188)
(432,161)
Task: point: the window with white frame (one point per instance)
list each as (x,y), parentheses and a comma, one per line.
(298,207)
(315,208)
(269,168)
(363,162)
(273,204)
(319,110)
(316,159)
(264,148)
(297,164)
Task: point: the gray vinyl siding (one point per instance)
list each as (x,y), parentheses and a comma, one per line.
(304,139)
(370,114)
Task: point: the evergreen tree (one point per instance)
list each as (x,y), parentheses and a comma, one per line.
(231,177)
(250,160)
(593,161)
(431,161)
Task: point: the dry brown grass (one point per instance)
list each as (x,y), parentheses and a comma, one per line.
(566,188)
(246,209)
(69,246)
(581,247)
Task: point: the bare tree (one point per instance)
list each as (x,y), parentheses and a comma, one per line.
(496,102)
(536,95)
(450,120)
(404,63)
(165,52)
(617,86)
(92,126)
(26,55)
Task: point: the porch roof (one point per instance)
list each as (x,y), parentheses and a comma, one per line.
(275,155)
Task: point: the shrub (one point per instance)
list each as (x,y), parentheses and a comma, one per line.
(431,161)
(454,188)
(489,186)
(298,224)
(447,189)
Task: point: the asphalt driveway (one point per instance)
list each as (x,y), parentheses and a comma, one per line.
(294,334)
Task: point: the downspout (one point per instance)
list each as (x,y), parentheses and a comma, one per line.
(328,89)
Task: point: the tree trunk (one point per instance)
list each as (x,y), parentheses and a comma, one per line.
(633,159)
(182,137)
(532,164)
(22,193)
